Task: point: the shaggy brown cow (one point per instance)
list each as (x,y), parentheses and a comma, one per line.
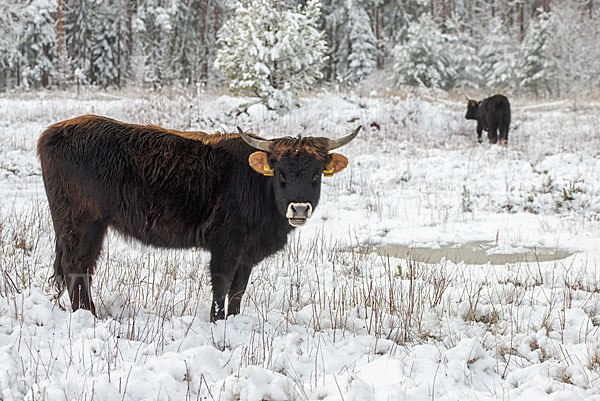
(177,189)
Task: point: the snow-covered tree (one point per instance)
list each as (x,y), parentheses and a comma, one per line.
(353,45)
(463,56)
(574,49)
(362,59)
(10,55)
(272,52)
(499,57)
(536,68)
(37,43)
(109,44)
(424,59)
(78,21)
(153,27)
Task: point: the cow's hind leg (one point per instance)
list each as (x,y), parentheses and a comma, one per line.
(504,136)
(238,287)
(58,277)
(79,249)
(493,133)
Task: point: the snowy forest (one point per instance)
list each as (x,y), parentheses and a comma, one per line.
(541,47)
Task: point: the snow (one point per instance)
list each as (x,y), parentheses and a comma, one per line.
(324,319)
(258,112)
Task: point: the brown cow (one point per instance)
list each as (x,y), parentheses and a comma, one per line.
(492,115)
(236,195)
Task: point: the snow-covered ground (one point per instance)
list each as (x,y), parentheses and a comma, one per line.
(325,319)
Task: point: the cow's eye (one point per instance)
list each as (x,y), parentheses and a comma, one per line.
(282,180)
(316,178)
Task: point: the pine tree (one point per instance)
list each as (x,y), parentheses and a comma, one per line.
(272,52)
(153,28)
(499,56)
(536,69)
(463,57)
(353,45)
(78,24)
(11,58)
(573,48)
(110,43)
(362,59)
(424,59)
(37,44)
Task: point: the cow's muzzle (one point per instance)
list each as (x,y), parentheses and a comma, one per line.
(298,213)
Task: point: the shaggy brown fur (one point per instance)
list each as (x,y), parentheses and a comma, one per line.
(315,147)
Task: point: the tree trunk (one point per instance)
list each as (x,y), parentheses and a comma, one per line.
(45,74)
(90,43)
(330,58)
(119,50)
(203,48)
(376,22)
(74,53)
(129,33)
(376,18)
(59,39)
(520,16)
(216,21)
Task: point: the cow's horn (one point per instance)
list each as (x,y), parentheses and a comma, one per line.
(261,144)
(336,143)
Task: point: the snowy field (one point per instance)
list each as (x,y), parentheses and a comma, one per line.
(325,319)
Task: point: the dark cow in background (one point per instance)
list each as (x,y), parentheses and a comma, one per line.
(492,115)
(177,189)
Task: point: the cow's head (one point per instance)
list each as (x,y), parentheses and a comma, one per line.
(296,166)
(472,107)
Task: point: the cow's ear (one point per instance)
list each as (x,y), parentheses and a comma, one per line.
(259,161)
(336,164)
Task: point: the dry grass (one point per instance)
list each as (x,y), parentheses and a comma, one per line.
(324,288)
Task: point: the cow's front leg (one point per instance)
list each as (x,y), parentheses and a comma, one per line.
(237,289)
(222,271)
(479,131)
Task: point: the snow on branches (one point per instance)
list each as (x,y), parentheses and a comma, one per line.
(272,52)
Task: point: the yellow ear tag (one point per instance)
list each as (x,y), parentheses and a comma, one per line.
(268,171)
(328,173)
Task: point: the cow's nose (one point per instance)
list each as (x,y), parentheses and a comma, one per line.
(298,213)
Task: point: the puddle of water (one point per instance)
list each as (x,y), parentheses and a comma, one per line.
(472,253)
